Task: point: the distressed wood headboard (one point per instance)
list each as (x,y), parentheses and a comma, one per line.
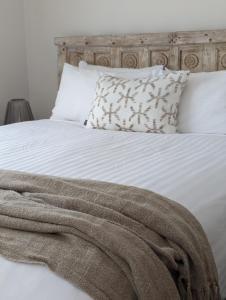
(193,50)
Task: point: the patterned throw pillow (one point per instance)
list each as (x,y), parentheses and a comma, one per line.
(148,105)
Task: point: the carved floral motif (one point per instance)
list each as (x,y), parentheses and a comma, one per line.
(198,51)
(191,61)
(103,60)
(161,59)
(130,60)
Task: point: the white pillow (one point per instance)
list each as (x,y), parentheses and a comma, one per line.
(203,104)
(148,104)
(129,73)
(75,95)
(77,91)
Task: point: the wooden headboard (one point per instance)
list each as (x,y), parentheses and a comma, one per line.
(193,50)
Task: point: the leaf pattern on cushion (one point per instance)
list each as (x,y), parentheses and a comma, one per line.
(126,97)
(171,114)
(177,83)
(117,84)
(158,97)
(124,126)
(145,83)
(101,97)
(98,125)
(140,113)
(154,128)
(110,113)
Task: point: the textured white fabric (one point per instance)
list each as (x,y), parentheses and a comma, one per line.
(75,95)
(34,282)
(146,105)
(203,104)
(125,72)
(190,169)
(77,90)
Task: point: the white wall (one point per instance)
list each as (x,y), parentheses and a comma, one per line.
(46,19)
(13,68)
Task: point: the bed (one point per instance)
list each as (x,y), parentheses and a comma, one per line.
(187,168)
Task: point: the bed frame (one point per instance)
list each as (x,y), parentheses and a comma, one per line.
(194,50)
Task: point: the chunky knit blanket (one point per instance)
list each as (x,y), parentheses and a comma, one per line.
(115,242)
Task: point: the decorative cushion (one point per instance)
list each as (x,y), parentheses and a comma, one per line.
(148,104)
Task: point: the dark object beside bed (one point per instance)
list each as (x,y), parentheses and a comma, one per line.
(18,110)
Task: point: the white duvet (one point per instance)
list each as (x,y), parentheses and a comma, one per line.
(190,169)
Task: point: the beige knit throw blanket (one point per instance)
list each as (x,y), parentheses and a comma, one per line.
(115,242)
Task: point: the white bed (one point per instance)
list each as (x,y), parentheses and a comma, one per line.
(188,168)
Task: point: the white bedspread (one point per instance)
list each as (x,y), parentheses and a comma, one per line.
(190,169)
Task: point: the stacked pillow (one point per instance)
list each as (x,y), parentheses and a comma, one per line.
(145,97)
(129,73)
(78,86)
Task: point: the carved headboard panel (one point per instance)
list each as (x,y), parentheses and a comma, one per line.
(193,50)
